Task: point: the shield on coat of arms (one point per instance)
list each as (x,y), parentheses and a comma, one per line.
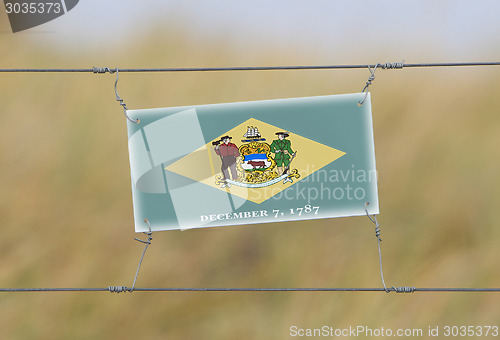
(256,153)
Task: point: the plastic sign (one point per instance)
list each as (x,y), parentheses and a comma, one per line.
(252,162)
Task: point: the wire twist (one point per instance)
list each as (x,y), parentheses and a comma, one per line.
(404,289)
(379,239)
(147,242)
(120,100)
(117,289)
(102,70)
(122,289)
(368,82)
(374,220)
(392,66)
(371,78)
(377,234)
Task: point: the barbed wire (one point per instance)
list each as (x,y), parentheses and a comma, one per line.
(121,289)
(398,65)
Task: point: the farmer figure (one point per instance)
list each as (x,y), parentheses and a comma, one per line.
(228,153)
(282,150)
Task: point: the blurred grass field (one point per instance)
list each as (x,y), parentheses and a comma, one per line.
(66,207)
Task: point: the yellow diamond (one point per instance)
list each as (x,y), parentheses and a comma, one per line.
(203,165)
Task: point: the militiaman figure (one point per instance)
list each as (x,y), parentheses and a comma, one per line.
(282,149)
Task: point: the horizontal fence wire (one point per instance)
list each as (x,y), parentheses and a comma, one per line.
(249,68)
(121,289)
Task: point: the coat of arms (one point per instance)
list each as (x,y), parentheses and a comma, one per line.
(255,163)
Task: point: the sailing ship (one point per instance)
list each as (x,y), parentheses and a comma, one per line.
(252,135)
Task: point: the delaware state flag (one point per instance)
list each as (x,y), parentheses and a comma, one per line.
(252,162)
